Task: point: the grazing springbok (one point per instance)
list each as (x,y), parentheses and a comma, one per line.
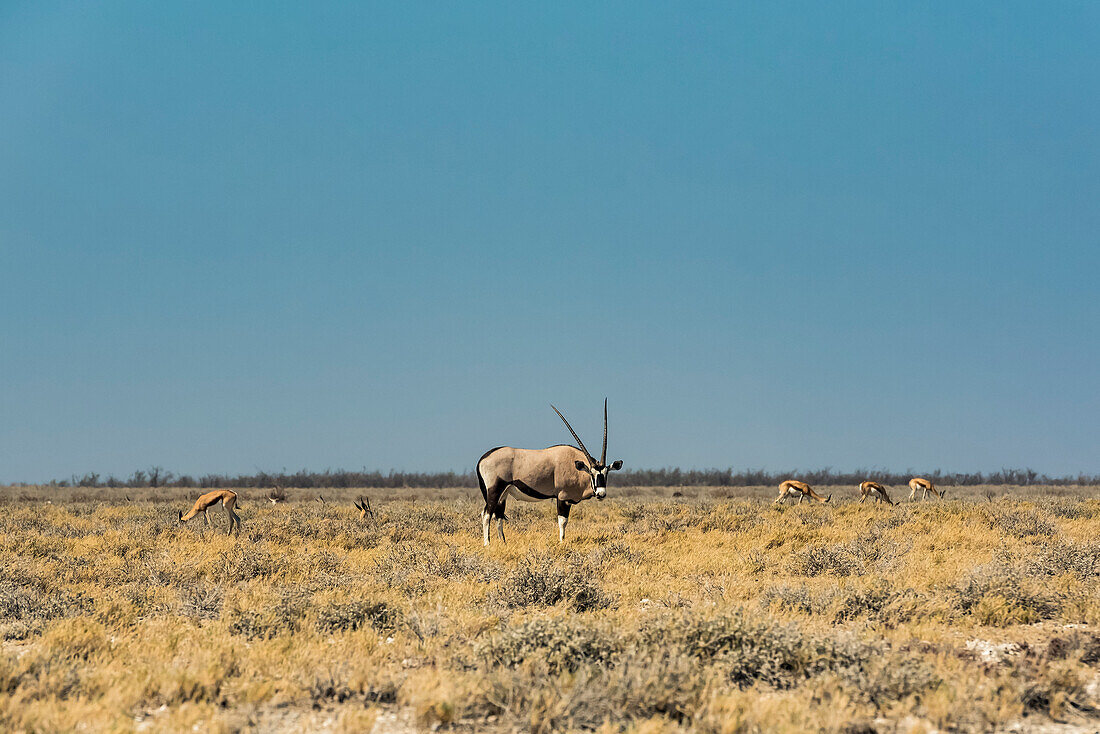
(801,490)
(876,490)
(363,505)
(227,497)
(565,474)
(919,483)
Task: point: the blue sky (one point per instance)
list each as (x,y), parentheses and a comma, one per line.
(238,236)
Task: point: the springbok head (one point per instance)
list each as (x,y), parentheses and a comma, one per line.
(597,470)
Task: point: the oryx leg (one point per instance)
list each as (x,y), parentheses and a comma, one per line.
(494,507)
(498,513)
(861,499)
(800,498)
(563,519)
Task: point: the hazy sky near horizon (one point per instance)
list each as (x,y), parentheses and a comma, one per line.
(781,235)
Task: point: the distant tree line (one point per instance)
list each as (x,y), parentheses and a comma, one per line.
(669,477)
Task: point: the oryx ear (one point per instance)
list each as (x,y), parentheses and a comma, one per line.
(581,466)
(616,465)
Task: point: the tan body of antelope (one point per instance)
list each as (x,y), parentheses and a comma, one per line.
(801,490)
(227,497)
(875,490)
(565,474)
(920,483)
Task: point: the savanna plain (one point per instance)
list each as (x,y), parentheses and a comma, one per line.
(669,609)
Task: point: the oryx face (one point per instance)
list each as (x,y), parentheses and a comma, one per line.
(597,470)
(598,474)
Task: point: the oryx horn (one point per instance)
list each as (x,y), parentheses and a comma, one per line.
(603,451)
(580,443)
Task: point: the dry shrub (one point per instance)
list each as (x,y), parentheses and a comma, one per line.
(1051,559)
(531,584)
(877,603)
(751,651)
(336,686)
(264,615)
(559,644)
(27,603)
(201,602)
(884,680)
(667,667)
(996,595)
(339,617)
(820,560)
(432,561)
(784,598)
(611,552)
(861,555)
(1068,509)
(431,519)
(1020,523)
(247,563)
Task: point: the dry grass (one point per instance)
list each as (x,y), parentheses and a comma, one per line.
(714,611)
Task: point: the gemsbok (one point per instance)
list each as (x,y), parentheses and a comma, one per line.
(876,490)
(227,497)
(801,490)
(920,483)
(565,474)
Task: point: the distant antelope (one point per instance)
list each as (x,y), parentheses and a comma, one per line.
(228,498)
(876,490)
(801,490)
(565,474)
(920,483)
(363,505)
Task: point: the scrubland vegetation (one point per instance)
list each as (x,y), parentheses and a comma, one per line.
(713,611)
(156,476)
